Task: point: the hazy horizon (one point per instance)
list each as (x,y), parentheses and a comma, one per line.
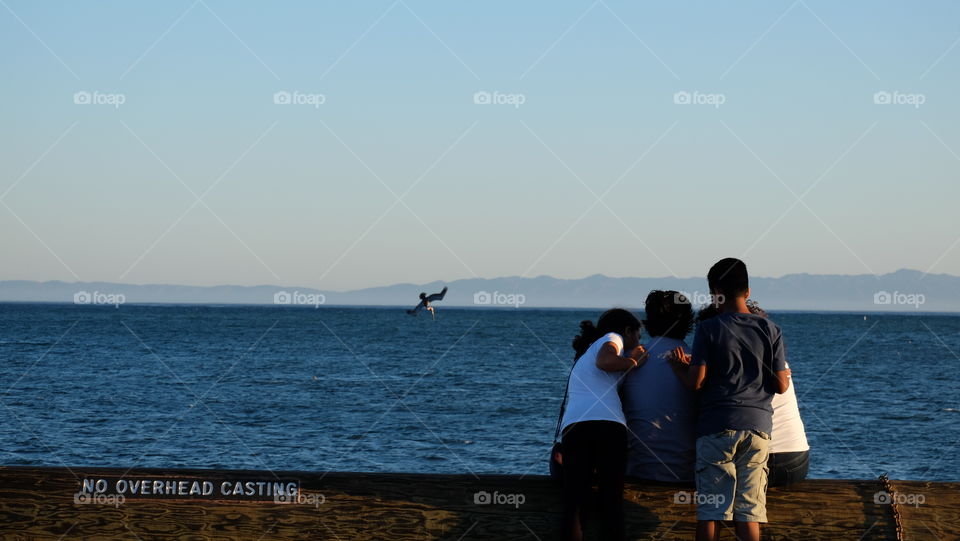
(905,290)
(440,281)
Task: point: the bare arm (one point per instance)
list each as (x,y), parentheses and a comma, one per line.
(692,377)
(680,363)
(698,376)
(783,380)
(609,360)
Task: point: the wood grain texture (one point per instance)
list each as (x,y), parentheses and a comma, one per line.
(38,503)
(937,517)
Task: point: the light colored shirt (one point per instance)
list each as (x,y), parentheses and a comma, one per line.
(591,392)
(788,435)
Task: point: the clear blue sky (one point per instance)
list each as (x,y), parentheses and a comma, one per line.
(302,195)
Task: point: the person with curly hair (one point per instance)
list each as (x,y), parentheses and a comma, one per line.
(661,412)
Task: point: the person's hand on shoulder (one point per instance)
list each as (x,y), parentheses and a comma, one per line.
(639,354)
(610,360)
(692,377)
(679,358)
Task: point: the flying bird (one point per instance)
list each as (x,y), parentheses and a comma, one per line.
(425,301)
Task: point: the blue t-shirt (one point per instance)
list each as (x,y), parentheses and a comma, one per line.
(661,417)
(742,352)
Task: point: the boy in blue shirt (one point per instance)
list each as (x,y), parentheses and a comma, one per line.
(737,364)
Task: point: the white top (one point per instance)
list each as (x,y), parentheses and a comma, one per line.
(591,392)
(788,435)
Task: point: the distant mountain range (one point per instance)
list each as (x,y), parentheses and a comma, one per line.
(901,291)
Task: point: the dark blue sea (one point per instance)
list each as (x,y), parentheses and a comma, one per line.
(373,389)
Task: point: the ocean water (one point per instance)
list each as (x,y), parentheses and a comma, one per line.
(373,389)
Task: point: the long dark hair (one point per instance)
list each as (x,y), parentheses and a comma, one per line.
(615,320)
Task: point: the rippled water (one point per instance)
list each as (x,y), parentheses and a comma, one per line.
(372,389)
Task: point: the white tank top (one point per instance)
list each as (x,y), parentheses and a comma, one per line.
(788,435)
(591,392)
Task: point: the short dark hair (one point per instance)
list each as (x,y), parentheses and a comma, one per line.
(669,314)
(729,277)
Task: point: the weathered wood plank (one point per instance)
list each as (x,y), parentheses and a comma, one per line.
(928,510)
(38,503)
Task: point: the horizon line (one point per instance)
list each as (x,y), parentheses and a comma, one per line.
(516,277)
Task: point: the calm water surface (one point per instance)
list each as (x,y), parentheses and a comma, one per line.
(372,389)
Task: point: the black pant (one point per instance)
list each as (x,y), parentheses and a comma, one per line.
(594,447)
(788,468)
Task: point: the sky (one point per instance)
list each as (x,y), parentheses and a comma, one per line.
(342,145)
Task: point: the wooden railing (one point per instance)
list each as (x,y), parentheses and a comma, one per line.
(148,504)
